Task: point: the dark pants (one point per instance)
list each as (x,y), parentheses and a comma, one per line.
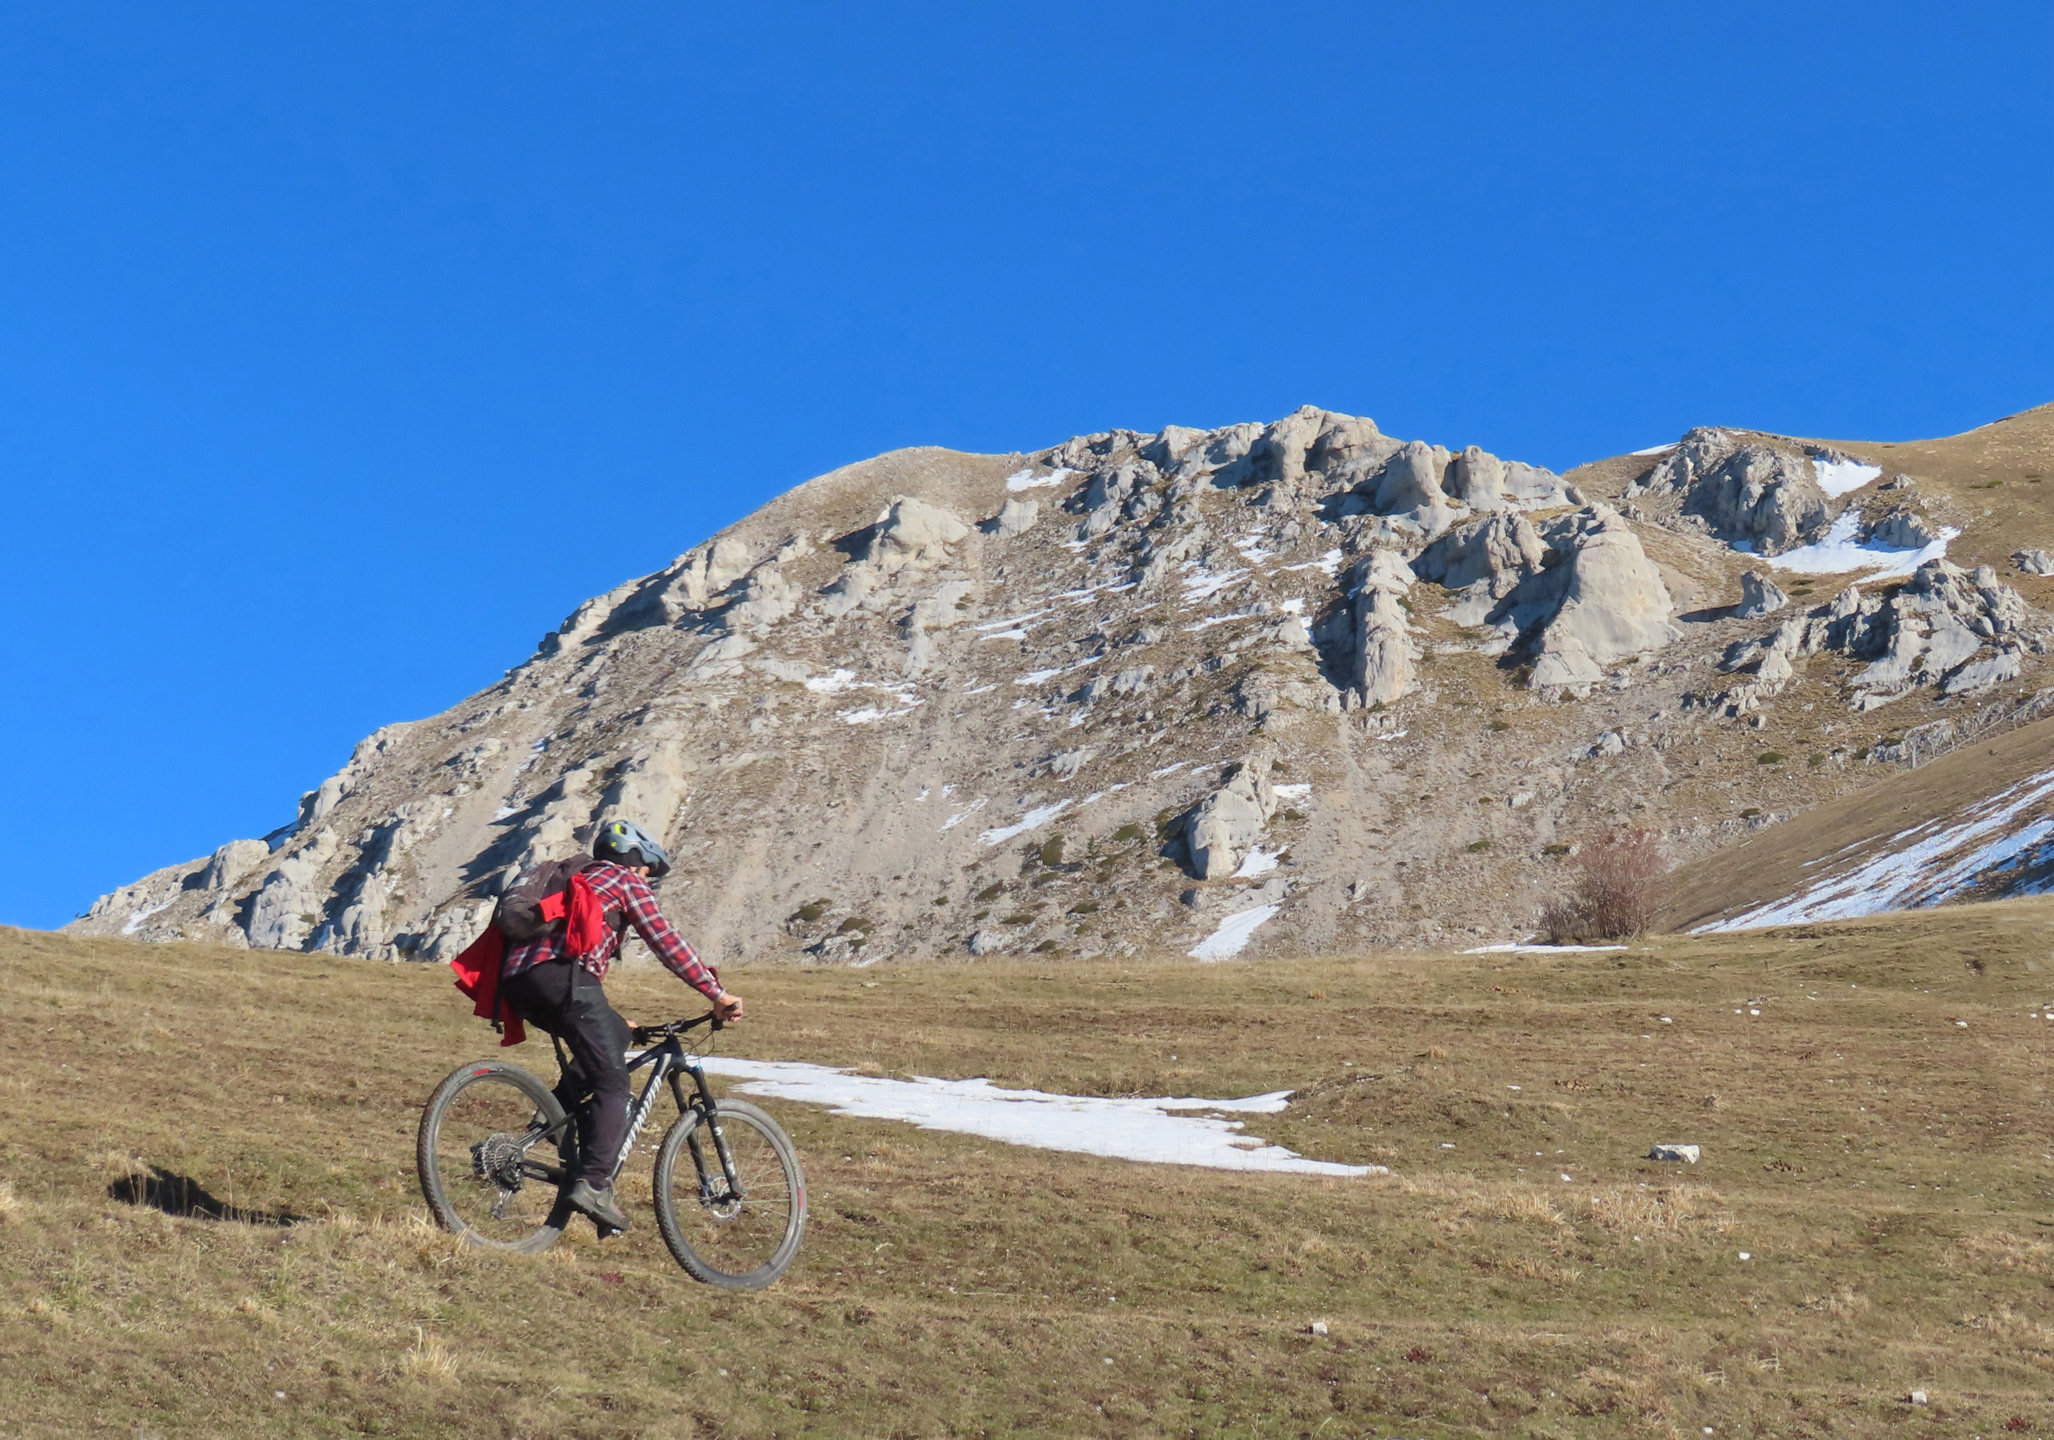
(563,998)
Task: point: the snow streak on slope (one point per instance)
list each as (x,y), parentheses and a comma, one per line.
(1930,863)
(1147,1130)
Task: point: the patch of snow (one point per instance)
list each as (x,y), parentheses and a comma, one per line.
(1015,622)
(1206,585)
(1539,949)
(1838,477)
(1167,770)
(1033,820)
(505,810)
(966,812)
(1037,677)
(1291,792)
(1259,862)
(1234,933)
(1027,480)
(1840,552)
(1656,449)
(1212,620)
(834,683)
(924,793)
(982,689)
(1294,606)
(1005,635)
(1329,564)
(135,920)
(1151,1131)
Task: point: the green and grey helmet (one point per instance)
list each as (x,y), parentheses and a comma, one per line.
(626,843)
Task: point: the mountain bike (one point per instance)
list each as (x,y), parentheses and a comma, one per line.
(498,1149)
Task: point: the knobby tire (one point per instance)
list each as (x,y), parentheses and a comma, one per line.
(745,1247)
(483,1099)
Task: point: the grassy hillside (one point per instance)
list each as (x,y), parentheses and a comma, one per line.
(1883,1165)
(1777,861)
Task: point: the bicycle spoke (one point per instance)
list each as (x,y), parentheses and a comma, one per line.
(497,1160)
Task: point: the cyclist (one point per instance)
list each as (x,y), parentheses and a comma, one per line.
(562,994)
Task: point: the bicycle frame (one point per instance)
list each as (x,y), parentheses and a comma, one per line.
(668,1063)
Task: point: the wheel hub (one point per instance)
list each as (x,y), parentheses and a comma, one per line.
(497,1159)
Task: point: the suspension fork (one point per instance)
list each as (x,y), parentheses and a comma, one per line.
(711,1109)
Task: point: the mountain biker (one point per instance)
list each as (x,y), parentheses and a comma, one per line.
(558,993)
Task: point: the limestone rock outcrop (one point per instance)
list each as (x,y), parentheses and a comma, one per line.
(1226,825)
(1576,592)
(232,861)
(1384,649)
(1483,561)
(1748,494)
(1613,603)
(1901,528)
(1931,630)
(1015,517)
(916,534)
(1759,596)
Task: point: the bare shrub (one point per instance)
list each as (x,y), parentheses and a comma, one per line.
(1617,888)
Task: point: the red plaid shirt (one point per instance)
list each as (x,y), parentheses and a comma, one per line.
(622,892)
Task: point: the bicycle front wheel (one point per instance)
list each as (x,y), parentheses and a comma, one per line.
(494,1154)
(738,1237)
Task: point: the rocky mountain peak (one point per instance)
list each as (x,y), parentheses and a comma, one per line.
(1113,693)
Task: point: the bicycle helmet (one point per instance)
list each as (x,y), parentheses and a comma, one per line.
(626,843)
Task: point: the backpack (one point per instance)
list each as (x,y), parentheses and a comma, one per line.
(551,899)
(521,914)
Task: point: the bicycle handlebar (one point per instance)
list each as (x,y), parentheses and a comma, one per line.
(650,1034)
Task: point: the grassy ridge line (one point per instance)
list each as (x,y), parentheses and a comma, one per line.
(1885,1167)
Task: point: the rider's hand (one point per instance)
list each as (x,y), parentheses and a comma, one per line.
(728,1006)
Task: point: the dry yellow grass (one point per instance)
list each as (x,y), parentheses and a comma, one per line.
(1883,1169)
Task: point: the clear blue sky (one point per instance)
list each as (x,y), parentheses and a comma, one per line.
(346,347)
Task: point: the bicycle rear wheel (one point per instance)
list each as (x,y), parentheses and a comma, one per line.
(494,1155)
(738,1241)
